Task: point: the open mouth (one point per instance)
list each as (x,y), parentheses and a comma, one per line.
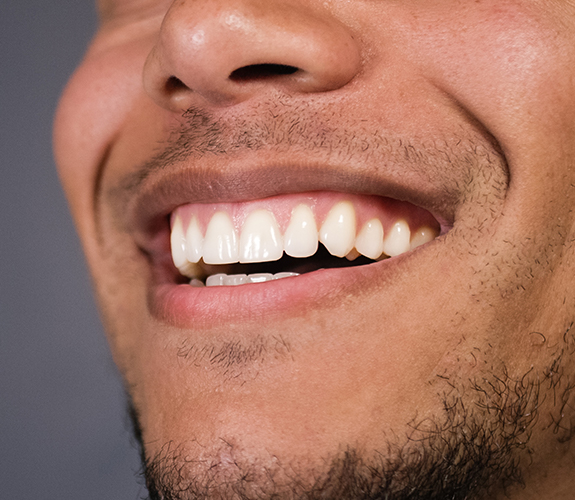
(229,244)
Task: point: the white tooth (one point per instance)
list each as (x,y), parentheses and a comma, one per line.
(220,242)
(194,241)
(369,241)
(178,244)
(338,230)
(235,279)
(300,238)
(215,280)
(279,276)
(240,279)
(197,283)
(422,235)
(397,240)
(260,277)
(261,240)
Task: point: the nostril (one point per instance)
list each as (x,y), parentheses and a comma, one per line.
(174,84)
(261,71)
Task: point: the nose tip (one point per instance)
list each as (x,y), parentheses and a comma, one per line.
(225,52)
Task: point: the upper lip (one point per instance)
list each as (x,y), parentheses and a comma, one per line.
(145,205)
(218,158)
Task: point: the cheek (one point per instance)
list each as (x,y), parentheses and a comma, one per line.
(92,110)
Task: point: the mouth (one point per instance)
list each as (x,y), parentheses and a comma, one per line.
(233,244)
(236,243)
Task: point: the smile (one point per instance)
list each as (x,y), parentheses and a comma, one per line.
(228,244)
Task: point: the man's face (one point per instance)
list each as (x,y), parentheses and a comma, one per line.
(436,139)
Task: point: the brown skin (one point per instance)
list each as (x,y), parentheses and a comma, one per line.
(489,84)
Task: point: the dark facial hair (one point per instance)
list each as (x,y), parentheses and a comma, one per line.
(473,451)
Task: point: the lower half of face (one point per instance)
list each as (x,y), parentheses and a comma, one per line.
(313,296)
(444,368)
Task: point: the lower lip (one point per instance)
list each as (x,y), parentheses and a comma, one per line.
(184,306)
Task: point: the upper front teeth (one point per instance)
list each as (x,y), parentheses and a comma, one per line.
(221,241)
(300,238)
(261,240)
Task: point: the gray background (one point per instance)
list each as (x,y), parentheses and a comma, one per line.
(63,430)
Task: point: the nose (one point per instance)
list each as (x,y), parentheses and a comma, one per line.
(226,51)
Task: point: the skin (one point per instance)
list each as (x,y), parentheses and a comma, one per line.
(480,318)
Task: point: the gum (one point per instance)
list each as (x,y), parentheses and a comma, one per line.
(387,210)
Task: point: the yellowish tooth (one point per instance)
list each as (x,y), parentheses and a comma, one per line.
(261,240)
(337,233)
(369,241)
(220,242)
(300,238)
(422,235)
(397,240)
(194,241)
(354,254)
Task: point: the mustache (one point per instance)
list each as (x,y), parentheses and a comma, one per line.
(279,127)
(284,127)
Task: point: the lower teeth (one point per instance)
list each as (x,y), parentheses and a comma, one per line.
(240,279)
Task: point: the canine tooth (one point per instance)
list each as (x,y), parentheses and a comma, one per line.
(220,242)
(338,230)
(197,283)
(194,241)
(300,238)
(397,241)
(279,276)
(260,277)
(178,243)
(422,235)
(369,241)
(261,240)
(215,280)
(235,279)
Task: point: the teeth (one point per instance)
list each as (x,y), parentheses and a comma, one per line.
(234,279)
(215,280)
(178,243)
(354,254)
(243,279)
(220,243)
(397,241)
(369,241)
(300,238)
(261,240)
(279,276)
(338,230)
(260,277)
(194,241)
(421,236)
